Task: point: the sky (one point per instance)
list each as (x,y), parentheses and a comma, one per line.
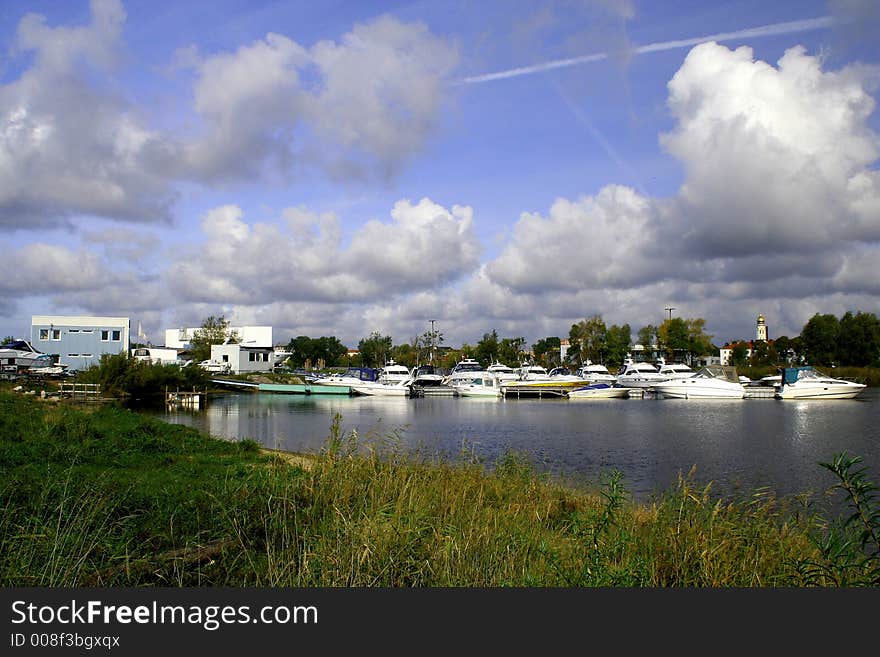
(343,167)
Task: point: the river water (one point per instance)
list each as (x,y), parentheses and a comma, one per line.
(738,445)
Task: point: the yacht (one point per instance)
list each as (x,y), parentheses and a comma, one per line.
(637,375)
(482,385)
(353,376)
(600,390)
(424,375)
(595,373)
(463,371)
(21,354)
(809,383)
(393,373)
(503,372)
(674,370)
(711,382)
(400,388)
(530,372)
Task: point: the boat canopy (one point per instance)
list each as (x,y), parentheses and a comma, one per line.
(724,372)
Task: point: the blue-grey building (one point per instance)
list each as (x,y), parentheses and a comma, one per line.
(79,342)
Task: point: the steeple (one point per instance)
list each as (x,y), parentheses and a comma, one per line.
(761,329)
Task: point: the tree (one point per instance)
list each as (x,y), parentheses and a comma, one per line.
(672,336)
(375,350)
(511,351)
(214,330)
(617,341)
(859,339)
(699,342)
(546,351)
(9,339)
(764,353)
(739,354)
(784,349)
(406,354)
(486,350)
(647,336)
(587,341)
(819,337)
(427,344)
(326,349)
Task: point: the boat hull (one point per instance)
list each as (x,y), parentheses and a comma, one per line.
(820,392)
(599,393)
(698,392)
(381,390)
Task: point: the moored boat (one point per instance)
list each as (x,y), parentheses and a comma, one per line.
(710,382)
(601,390)
(809,383)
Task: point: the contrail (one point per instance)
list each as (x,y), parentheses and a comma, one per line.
(790,27)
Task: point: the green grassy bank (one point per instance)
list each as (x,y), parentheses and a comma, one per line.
(108,497)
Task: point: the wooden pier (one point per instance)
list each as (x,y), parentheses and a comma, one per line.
(188,398)
(74,390)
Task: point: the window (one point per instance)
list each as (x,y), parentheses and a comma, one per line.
(86,355)
(73,330)
(73,355)
(44,334)
(252,356)
(116,336)
(56,334)
(88,330)
(225,358)
(105,335)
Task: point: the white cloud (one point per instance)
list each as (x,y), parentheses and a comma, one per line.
(69,145)
(424,245)
(776,158)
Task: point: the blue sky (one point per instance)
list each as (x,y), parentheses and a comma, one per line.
(339,168)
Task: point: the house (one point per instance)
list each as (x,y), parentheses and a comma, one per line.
(80,341)
(241,358)
(157,355)
(761,335)
(255,336)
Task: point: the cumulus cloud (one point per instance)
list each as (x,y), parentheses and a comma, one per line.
(68,144)
(303,260)
(71,144)
(777,159)
(368,102)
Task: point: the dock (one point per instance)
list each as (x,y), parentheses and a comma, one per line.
(534,392)
(759,392)
(286,388)
(187,398)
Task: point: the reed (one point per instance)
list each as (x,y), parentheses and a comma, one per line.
(111,498)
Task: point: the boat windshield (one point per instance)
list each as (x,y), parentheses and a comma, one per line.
(726,373)
(468,366)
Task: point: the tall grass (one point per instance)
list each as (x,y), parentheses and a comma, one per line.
(111,498)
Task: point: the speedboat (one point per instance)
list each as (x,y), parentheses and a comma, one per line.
(484,385)
(711,382)
(424,375)
(596,373)
(536,378)
(809,383)
(463,371)
(674,370)
(637,375)
(21,354)
(377,389)
(600,390)
(503,372)
(393,373)
(353,376)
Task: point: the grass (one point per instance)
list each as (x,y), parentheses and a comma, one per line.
(106,497)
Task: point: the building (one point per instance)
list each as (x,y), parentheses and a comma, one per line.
(241,358)
(77,341)
(156,355)
(760,336)
(254,336)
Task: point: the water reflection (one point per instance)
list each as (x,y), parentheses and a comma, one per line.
(737,444)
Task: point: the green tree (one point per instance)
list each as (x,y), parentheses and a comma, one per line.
(739,355)
(9,339)
(672,336)
(427,344)
(546,351)
(486,351)
(699,342)
(819,337)
(784,349)
(587,341)
(763,353)
(406,354)
(617,342)
(214,330)
(858,342)
(511,351)
(375,350)
(647,336)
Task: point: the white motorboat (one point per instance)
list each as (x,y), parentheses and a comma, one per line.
(809,383)
(637,375)
(464,371)
(532,372)
(393,373)
(353,376)
(22,355)
(425,376)
(377,389)
(711,382)
(483,385)
(674,370)
(503,372)
(595,373)
(601,390)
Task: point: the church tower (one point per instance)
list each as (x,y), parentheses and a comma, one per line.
(761,329)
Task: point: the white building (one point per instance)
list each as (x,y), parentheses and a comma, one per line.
(80,341)
(155,355)
(252,336)
(241,358)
